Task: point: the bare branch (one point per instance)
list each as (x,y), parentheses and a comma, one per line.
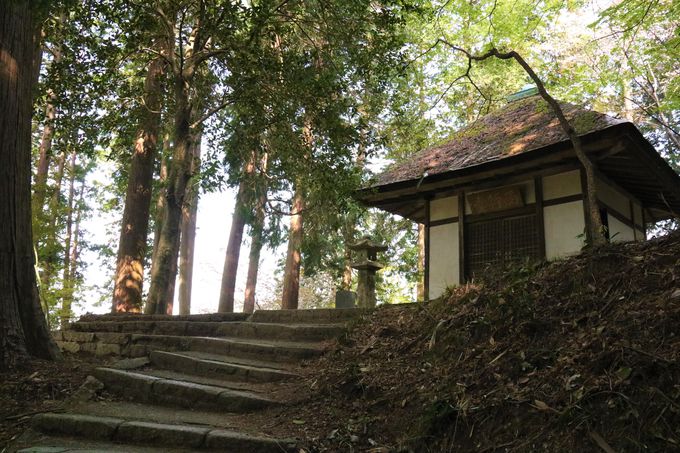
(227,101)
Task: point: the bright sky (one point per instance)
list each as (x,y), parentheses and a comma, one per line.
(213,225)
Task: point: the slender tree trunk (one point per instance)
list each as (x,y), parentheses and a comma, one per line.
(160,211)
(45,150)
(45,155)
(172,275)
(351,218)
(291,273)
(129,278)
(23,330)
(595,227)
(71,265)
(255,245)
(254,260)
(178,177)
(160,201)
(238,222)
(48,231)
(186,252)
(66,277)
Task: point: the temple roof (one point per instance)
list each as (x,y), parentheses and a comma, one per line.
(519,127)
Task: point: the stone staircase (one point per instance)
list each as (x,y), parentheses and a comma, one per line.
(184,382)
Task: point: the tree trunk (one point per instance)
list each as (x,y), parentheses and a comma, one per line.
(45,150)
(23,330)
(255,250)
(291,273)
(172,275)
(188,233)
(238,222)
(66,276)
(129,278)
(160,211)
(595,229)
(178,177)
(71,264)
(253,261)
(45,155)
(47,231)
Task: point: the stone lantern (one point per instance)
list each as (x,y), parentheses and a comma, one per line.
(365,262)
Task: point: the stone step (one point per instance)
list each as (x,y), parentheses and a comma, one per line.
(132,317)
(315,316)
(33,441)
(139,432)
(296,332)
(214,365)
(275,351)
(282,331)
(181,391)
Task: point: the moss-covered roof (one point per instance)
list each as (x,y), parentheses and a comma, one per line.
(519,127)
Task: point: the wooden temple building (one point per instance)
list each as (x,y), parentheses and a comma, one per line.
(509,188)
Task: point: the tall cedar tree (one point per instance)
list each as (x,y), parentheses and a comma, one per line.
(129,278)
(184,65)
(291,273)
(188,236)
(23,329)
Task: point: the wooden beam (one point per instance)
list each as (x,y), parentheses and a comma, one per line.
(452,189)
(562,200)
(445,221)
(528,209)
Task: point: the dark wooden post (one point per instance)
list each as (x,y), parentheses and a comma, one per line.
(426,273)
(461,236)
(540,228)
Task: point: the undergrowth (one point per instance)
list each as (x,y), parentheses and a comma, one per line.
(576,355)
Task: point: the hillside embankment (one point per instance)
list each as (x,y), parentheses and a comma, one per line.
(575,355)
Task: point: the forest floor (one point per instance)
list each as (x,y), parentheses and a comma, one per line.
(39,386)
(581,355)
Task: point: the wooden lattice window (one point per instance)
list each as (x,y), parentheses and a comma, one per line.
(500,242)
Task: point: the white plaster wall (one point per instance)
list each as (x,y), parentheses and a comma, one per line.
(562,185)
(619,231)
(444,262)
(444,208)
(612,197)
(564,226)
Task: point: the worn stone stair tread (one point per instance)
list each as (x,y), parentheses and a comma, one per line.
(146,387)
(133,410)
(254,348)
(316,315)
(276,366)
(312,345)
(35,442)
(125,317)
(203,380)
(222,367)
(146,432)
